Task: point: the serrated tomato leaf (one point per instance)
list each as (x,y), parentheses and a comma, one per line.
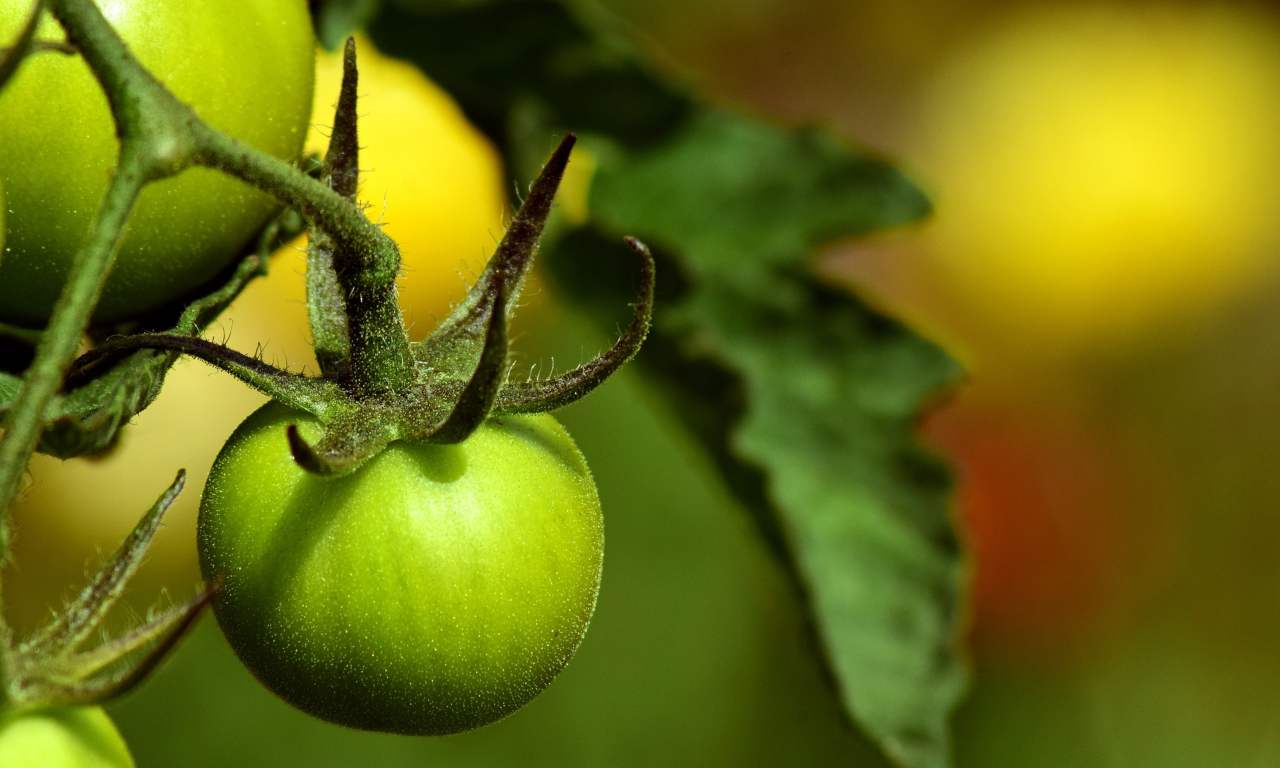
(807,397)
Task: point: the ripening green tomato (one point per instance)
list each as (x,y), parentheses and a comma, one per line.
(82,737)
(246,66)
(437,589)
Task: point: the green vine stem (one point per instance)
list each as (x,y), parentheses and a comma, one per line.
(160,136)
(365,259)
(15,53)
(62,337)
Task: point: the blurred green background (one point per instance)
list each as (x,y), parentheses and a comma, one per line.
(1103,258)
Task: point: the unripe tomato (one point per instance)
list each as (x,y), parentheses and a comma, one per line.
(437,589)
(1105,174)
(246,66)
(83,737)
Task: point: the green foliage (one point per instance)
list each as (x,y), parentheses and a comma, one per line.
(806,397)
(828,395)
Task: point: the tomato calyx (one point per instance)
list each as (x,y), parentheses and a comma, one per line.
(52,668)
(374,386)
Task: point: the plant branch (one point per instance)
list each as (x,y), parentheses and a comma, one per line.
(58,345)
(24,45)
(365,259)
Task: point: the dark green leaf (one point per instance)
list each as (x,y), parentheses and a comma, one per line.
(829,393)
(806,397)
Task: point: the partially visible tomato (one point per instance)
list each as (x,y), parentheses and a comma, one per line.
(1104,175)
(246,66)
(437,589)
(83,737)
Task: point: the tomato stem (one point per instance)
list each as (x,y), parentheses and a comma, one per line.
(21,47)
(61,338)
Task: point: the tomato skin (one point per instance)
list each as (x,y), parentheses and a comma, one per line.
(82,737)
(437,589)
(246,66)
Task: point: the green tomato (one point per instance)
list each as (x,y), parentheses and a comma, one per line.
(82,737)
(436,589)
(246,66)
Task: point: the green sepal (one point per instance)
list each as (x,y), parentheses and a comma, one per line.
(50,668)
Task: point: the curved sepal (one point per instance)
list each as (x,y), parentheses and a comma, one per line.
(538,396)
(459,337)
(295,390)
(326,301)
(347,443)
(114,668)
(84,615)
(482,389)
(49,668)
(94,406)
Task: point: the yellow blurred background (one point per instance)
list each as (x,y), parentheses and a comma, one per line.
(1103,257)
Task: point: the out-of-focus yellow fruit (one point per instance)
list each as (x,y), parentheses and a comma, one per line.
(1104,175)
(436,184)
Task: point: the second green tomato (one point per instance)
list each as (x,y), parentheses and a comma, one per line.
(247,68)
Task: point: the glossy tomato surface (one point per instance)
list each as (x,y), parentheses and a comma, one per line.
(437,589)
(246,66)
(81,737)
